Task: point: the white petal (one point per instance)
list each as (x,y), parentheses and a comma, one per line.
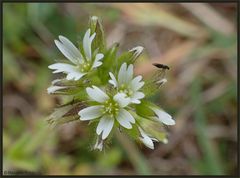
(75,75)
(65,51)
(122,99)
(90,113)
(105,126)
(55,81)
(162,81)
(136,97)
(97,61)
(136,84)
(97,94)
(125,119)
(92,37)
(136,101)
(52,89)
(113,80)
(62,67)
(71,48)
(137,51)
(129,74)
(163,116)
(122,74)
(87,43)
(137,79)
(147,141)
(99,144)
(72,71)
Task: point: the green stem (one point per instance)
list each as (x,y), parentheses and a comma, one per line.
(137,159)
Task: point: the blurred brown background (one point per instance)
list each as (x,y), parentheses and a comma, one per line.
(198,41)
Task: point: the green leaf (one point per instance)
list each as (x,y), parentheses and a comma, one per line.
(16,150)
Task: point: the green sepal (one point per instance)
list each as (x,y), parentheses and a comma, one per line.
(72,87)
(68,91)
(154,129)
(143,109)
(65,113)
(124,57)
(133,132)
(129,57)
(108,63)
(150,88)
(95,26)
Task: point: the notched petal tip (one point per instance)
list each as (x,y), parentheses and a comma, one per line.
(139,49)
(56,42)
(105,126)
(61,37)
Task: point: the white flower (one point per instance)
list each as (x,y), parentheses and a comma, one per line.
(163,117)
(146,140)
(108,109)
(82,63)
(137,51)
(125,83)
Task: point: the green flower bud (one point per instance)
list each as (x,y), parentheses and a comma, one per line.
(96,26)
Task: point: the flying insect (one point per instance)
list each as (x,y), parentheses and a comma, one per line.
(160,75)
(161,66)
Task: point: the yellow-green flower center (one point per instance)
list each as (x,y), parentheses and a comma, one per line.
(85,67)
(124,89)
(111,108)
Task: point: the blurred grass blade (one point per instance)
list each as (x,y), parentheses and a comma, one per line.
(210,17)
(211,162)
(149,14)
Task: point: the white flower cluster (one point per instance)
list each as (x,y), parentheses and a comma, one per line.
(83,63)
(108,107)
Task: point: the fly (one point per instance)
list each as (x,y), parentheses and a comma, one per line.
(160,75)
(161,66)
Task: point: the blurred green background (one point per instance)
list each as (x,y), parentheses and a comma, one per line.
(197,40)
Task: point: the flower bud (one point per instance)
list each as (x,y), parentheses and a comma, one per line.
(96,26)
(136,52)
